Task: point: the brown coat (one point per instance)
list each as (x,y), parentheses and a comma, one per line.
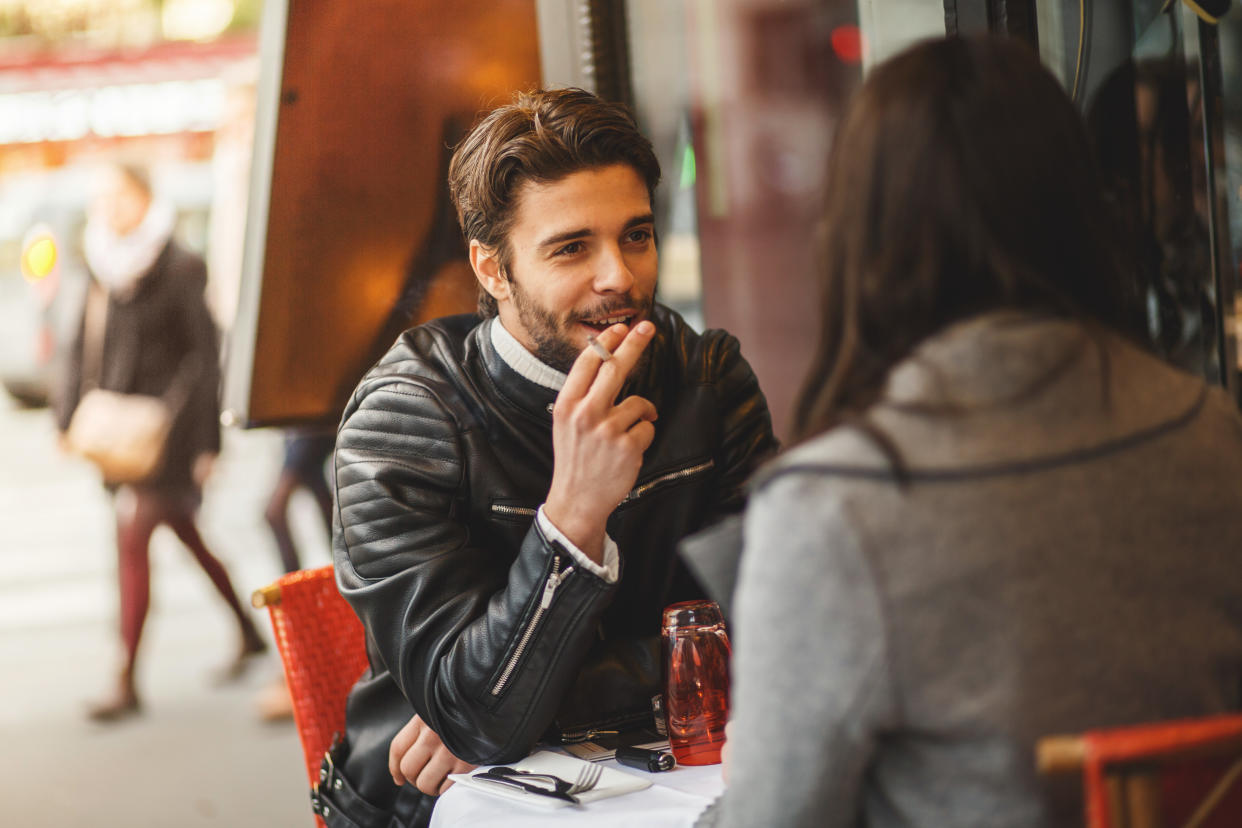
(160,340)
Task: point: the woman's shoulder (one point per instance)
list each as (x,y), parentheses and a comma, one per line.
(844,452)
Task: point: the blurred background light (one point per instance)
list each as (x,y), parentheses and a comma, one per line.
(160,108)
(196,19)
(847,43)
(39,255)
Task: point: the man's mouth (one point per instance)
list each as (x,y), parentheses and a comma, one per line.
(603,323)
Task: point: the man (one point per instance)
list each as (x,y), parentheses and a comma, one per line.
(509,496)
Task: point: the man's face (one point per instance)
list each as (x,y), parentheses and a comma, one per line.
(583,257)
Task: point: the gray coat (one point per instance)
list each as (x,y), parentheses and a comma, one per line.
(1065,556)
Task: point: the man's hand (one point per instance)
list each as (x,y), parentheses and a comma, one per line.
(416,755)
(598,446)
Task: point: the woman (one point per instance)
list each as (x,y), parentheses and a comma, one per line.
(1004,520)
(157,339)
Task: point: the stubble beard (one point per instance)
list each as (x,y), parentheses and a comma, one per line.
(553,345)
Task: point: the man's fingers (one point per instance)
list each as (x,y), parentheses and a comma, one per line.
(400,745)
(586,366)
(631,410)
(417,756)
(413,763)
(435,772)
(611,375)
(642,434)
(634,343)
(458,767)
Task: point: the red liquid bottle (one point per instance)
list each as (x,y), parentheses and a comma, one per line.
(696,686)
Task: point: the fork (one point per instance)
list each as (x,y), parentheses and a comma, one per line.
(587,779)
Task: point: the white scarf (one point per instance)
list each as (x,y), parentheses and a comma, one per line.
(118,262)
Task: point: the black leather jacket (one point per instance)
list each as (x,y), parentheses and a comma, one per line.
(474,619)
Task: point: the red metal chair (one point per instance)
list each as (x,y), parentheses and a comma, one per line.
(322,647)
(1179,774)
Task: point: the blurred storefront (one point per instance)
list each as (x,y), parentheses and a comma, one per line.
(167,85)
(356,106)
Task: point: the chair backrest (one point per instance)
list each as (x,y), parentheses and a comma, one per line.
(322,647)
(1179,774)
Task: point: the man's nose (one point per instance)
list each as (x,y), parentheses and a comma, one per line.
(612,272)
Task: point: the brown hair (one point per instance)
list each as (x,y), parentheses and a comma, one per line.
(542,136)
(960,181)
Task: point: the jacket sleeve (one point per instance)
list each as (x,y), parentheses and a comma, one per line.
(747,440)
(482,642)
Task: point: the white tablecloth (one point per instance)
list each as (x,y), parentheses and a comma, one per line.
(674,800)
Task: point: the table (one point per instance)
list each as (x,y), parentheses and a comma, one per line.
(674,800)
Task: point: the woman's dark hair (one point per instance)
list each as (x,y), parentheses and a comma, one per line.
(960,181)
(542,136)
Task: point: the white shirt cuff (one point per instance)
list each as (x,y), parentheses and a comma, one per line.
(612,558)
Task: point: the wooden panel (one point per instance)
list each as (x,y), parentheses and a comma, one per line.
(371,96)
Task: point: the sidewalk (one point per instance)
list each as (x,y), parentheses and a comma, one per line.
(198,756)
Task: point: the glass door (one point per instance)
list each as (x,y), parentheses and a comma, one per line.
(1147,75)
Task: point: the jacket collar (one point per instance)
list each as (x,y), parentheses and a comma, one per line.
(521,360)
(512,386)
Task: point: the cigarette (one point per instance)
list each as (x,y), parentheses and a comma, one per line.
(600,351)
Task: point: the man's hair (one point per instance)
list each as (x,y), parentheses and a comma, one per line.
(959,182)
(543,136)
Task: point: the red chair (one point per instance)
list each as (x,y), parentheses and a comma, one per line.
(322,647)
(1180,774)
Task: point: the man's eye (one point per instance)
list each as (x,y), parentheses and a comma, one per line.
(569,249)
(639,235)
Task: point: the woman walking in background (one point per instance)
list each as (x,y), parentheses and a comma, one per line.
(157,338)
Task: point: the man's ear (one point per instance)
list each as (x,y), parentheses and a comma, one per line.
(488,271)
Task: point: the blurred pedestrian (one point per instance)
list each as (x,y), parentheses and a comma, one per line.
(157,339)
(306,453)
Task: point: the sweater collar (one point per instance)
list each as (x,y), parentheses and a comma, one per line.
(523,361)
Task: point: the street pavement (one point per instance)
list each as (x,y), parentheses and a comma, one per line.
(199,754)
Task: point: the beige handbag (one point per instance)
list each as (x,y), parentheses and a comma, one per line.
(123,434)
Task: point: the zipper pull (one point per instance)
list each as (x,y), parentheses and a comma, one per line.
(549,589)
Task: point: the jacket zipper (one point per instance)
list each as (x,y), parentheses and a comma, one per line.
(501,509)
(689,471)
(611,727)
(549,589)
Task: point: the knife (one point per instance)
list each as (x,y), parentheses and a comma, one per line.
(498,777)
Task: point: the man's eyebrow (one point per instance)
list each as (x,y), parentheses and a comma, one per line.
(586,232)
(568,235)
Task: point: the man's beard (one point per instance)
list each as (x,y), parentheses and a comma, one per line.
(554,346)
